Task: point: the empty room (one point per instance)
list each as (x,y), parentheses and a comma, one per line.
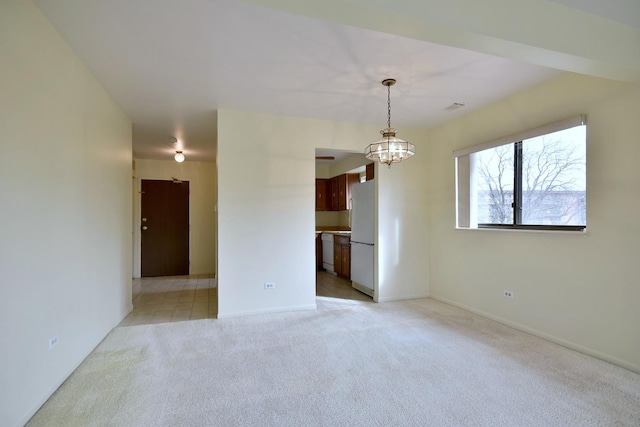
(468,170)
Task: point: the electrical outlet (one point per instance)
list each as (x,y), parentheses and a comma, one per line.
(269,285)
(509,294)
(53,341)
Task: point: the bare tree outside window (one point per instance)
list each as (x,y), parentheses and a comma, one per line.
(553,180)
(494,169)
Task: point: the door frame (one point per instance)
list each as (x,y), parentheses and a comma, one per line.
(137,223)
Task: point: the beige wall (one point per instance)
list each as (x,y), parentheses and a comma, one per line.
(202,204)
(353,160)
(65,195)
(332,218)
(403,235)
(578,290)
(267,213)
(350,163)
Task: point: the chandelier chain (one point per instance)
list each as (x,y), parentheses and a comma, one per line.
(389,149)
(389,106)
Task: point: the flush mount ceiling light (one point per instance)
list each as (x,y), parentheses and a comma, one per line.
(178,157)
(389,149)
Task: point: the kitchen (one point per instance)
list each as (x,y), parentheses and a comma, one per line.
(345,226)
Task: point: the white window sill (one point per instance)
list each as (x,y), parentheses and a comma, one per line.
(581,233)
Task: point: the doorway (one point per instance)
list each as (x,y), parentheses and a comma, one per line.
(164,228)
(336,173)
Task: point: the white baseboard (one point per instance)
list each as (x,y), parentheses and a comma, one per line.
(557,340)
(267,311)
(403,297)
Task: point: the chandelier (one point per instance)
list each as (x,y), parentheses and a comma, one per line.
(389,149)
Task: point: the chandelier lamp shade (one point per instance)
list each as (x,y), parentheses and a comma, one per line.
(389,149)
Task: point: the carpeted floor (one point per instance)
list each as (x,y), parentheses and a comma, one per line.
(410,363)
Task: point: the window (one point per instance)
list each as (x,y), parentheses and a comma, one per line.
(533,180)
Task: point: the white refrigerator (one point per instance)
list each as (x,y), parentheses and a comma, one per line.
(362,236)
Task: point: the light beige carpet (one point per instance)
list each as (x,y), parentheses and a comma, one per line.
(412,363)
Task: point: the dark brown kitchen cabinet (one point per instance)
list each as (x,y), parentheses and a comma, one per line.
(342,256)
(351,179)
(334,194)
(341,190)
(322,195)
(370,171)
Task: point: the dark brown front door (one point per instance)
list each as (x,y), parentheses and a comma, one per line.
(165,228)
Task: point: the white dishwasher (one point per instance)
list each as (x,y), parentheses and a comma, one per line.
(327,252)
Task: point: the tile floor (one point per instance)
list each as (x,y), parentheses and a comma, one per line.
(181,298)
(172,299)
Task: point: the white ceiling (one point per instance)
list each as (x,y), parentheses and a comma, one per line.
(624,11)
(171,64)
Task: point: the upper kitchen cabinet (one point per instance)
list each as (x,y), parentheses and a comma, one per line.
(344,189)
(340,191)
(322,194)
(334,194)
(370,171)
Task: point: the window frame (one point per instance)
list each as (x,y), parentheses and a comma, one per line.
(466,204)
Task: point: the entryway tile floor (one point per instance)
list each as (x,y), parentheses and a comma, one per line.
(172,299)
(181,298)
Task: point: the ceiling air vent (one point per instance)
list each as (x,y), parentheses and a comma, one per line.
(454,106)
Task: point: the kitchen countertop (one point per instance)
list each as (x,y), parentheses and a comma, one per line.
(334,229)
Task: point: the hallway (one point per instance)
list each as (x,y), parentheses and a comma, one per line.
(181,298)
